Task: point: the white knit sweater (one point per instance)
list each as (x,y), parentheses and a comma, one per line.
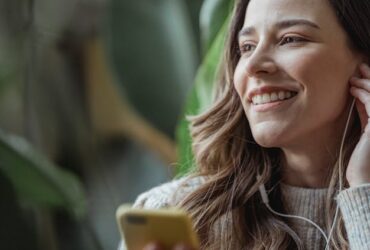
(354,204)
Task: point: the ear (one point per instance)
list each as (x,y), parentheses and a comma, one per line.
(365,60)
(362,59)
(357,72)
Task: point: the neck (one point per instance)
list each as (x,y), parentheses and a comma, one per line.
(305,168)
(308,163)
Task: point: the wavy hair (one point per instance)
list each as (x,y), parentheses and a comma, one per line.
(229,158)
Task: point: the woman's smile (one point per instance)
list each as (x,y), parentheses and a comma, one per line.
(268,98)
(273,102)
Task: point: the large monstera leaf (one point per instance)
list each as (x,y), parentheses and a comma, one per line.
(38,181)
(155,57)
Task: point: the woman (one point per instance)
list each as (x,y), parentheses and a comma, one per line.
(290,73)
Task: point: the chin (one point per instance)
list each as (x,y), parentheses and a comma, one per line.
(268,138)
(267,143)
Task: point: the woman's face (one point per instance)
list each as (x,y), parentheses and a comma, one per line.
(293,73)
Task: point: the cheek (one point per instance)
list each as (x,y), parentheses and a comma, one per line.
(323,76)
(321,71)
(240,81)
(306,66)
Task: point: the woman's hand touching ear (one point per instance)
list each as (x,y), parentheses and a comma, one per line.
(358,171)
(361,90)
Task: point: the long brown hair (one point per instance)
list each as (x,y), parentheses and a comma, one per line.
(229,158)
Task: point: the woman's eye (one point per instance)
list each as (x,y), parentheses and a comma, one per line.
(291,39)
(245,48)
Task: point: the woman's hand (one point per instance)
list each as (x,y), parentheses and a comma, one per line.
(358,171)
(156,246)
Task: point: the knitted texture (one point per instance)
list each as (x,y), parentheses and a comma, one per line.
(354,204)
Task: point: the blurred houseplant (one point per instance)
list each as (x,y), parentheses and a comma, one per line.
(214,20)
(31,186)
(60,61)
(37,184)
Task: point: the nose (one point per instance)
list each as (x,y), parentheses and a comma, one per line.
(260,62)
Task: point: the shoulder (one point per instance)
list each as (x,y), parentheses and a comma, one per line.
(168,194)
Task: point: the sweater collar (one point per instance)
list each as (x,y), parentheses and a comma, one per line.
(305,202)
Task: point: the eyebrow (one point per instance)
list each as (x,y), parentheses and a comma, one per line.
(280,25)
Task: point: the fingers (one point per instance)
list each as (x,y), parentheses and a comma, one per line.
(361,87)
(362,113)
(363,83)
(362,104)
(362,94)
(365,70)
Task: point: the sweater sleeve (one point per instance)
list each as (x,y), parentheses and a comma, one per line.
(354,203)
(165,195)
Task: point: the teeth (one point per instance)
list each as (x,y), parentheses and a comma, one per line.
(281,95)
(266,98)
(272,97)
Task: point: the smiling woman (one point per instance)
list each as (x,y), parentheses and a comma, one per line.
(284,120)
(306,59)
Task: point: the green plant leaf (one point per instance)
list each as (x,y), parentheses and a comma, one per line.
(14,224)
(212,16)
(37,180)
(199,99)
(155,63)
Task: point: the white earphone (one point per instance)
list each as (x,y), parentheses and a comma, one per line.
(265,198)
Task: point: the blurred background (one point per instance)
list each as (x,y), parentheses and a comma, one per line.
(93,95)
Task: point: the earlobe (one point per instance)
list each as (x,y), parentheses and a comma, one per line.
(358,61)
(363,59)
(357,72)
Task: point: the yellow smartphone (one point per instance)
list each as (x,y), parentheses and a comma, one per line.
(169,226)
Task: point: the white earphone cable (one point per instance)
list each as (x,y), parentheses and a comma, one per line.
(266,200)
(299,217)
(340,170)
